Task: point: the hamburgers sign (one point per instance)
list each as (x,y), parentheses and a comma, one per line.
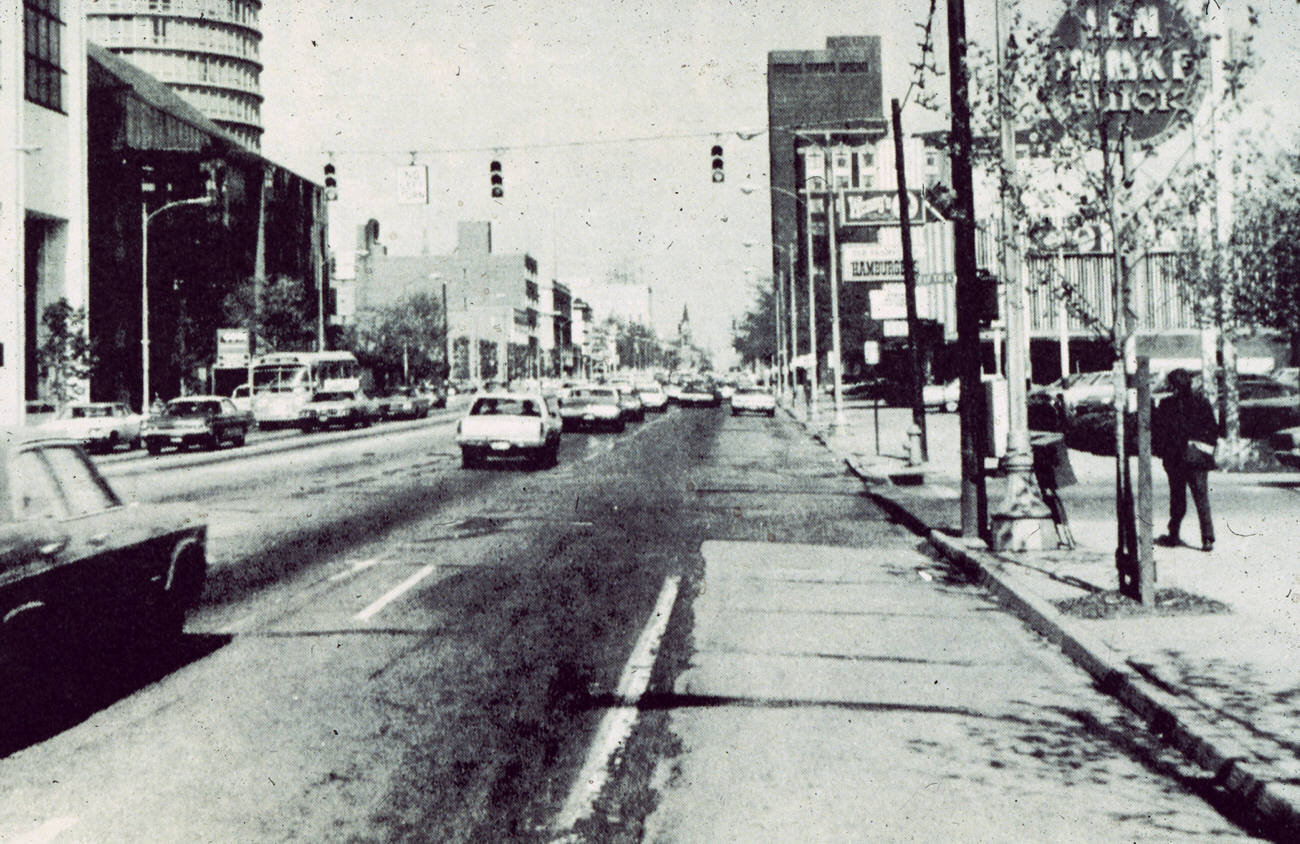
(1138,64)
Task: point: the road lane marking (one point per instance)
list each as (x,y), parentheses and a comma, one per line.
(48,831)
(616,725)
(394,593)
(356,567)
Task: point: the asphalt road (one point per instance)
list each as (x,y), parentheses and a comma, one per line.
(393,648)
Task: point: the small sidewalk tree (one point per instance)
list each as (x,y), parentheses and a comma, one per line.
(63,353)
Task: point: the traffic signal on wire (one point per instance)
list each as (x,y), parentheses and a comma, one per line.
(716,155)
(498,186)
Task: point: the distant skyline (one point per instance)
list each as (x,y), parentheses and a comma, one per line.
(602,118)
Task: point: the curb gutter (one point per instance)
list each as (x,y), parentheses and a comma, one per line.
(1184,725)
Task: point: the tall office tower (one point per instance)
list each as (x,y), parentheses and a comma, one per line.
(207,51)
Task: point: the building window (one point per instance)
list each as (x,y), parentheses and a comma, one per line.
(43,52)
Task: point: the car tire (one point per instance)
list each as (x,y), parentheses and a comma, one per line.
(619,426)
(771,414)
(153,448)
(307,429)
(469,458)
(187,583)
(238,439)
(551,455)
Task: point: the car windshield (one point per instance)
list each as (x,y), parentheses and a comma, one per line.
(323,397)
(192,408)
(750,391)
(501,406)
(591,394)
(86,411)
(648,388)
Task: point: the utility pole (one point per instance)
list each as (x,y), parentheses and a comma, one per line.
(909,282)
(974,499)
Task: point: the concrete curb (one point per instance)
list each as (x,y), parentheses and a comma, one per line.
(1171,716)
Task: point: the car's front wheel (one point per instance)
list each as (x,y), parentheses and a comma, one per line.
(469,458)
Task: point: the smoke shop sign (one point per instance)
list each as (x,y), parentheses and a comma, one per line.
(1137,62)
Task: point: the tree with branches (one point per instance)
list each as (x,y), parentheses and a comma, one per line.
(64,356)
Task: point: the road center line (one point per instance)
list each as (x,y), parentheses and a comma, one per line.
(356,567)
(394,593)
(616,725)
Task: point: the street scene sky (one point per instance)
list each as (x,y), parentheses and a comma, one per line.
(602,117)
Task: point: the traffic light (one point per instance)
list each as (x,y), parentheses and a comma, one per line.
(498,186)
(331,183)
(716,154)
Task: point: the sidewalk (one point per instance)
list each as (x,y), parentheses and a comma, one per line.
(1210,668)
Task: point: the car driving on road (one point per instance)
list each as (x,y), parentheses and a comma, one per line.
(74,560)
(591,407)
(205,421)
(335,410)
(510,426)
(752,400)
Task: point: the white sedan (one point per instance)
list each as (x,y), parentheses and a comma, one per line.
(752,400)
(98,426)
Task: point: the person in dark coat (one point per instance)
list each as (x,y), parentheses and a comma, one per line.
(1182,417)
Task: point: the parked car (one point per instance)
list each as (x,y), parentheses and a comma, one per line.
(699,394)
(97,426)
(403,403)
(75,561)
(502,425)
(591,407)
(652,396)
(240,397)
(205,421)
(336,410)
(752,400)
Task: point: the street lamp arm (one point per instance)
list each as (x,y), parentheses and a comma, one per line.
(198,200)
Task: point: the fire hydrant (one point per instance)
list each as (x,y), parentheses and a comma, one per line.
(914,446)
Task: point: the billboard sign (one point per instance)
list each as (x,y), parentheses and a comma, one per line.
(1138,62)
(878,208)
(232,348)
(879,261)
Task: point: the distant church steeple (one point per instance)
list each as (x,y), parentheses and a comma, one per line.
(684,326)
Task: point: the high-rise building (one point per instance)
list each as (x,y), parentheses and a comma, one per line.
(207,51)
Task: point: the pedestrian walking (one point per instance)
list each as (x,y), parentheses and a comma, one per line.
(1183,433)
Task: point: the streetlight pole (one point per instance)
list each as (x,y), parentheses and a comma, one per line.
(145,216)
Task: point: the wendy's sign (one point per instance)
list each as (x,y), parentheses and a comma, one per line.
(1137,64)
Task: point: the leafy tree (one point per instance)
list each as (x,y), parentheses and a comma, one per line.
(63,354)
(404,340)
(285,317)
(754,336)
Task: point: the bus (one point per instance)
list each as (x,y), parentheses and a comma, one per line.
(284,382)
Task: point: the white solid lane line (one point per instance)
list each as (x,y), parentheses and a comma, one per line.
(617,724)
(394,593)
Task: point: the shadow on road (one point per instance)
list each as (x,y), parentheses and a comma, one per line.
(69,689)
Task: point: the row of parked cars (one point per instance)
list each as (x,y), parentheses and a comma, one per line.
(210,421)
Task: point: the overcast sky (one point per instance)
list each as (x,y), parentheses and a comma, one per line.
(602,116)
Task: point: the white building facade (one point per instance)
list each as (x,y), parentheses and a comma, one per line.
(43,182)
